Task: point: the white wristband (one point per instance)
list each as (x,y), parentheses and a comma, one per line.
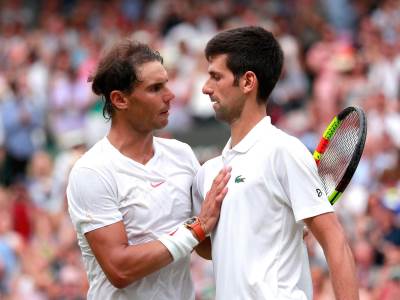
(180,243)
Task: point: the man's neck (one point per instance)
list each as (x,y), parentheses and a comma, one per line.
(133,144)
(242,126)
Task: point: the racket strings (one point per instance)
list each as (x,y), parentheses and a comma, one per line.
(339,152)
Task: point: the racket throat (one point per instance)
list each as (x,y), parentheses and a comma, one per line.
(334,196)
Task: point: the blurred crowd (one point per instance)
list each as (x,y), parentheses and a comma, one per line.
(337,53)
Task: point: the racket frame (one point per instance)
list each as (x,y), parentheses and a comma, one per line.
(355,159)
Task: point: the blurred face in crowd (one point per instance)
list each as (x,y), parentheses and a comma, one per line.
(227,98)
(147,106)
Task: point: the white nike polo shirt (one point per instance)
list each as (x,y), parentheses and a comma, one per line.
(106,187)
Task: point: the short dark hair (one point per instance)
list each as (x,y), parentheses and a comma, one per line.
(250,48)
(117,70)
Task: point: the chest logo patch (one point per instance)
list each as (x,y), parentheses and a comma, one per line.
(239,179)
(156,184)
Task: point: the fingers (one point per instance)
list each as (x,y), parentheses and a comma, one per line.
(221,175)
(221,187)
(220,181)
(221,195)
(212,204)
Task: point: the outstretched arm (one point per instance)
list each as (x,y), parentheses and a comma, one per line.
(123,263)
(212,204)
(329,233)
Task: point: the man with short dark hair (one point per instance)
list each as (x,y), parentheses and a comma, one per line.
(257,247)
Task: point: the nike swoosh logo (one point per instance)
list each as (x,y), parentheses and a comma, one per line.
(154,185)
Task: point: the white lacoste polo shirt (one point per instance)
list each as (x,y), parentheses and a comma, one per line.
(257,248)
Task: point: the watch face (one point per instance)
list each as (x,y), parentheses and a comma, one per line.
(191,221)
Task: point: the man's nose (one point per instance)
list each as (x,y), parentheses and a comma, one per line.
(206,89)
(169,95)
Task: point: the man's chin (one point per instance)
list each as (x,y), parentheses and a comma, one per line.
(220,117)
(161,125)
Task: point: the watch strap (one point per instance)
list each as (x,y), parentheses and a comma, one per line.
(197,228)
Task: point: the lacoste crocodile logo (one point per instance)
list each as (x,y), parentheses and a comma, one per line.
(239,179)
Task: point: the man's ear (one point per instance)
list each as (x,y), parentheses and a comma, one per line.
(118,100)
(249,82)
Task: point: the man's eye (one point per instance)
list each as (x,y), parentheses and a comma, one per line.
(156,88)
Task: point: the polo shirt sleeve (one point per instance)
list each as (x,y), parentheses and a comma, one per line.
(197,191)
(193,161)
(301,182)
(92,202)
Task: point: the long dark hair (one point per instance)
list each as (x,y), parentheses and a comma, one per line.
(117,70)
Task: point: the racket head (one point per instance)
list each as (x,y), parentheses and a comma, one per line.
(340,149)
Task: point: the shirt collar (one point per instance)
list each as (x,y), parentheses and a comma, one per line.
(258,131)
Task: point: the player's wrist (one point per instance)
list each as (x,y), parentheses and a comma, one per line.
(179,243)
(205,228)
(182,241)
(197,227)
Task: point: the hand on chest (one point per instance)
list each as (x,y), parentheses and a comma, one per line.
(247,180)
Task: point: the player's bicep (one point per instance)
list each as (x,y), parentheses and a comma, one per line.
(325,228)
(107,243)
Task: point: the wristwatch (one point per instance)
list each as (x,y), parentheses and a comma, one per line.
(194,224)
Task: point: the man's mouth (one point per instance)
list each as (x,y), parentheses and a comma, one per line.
(165,111)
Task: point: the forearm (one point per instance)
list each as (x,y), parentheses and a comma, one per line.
(130,263)
(342,271)
(123,263)
(329,233)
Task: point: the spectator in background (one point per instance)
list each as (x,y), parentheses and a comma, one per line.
(37,74)
(23,126)
(291,90)
(181,86)
(355,88)
(321,62)
(39,180)
(384,71)
(69,101)
(11,245)
(63,164)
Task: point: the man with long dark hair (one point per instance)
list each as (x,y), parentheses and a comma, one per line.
(129,195)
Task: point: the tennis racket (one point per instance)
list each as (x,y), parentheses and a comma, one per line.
(339,151)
